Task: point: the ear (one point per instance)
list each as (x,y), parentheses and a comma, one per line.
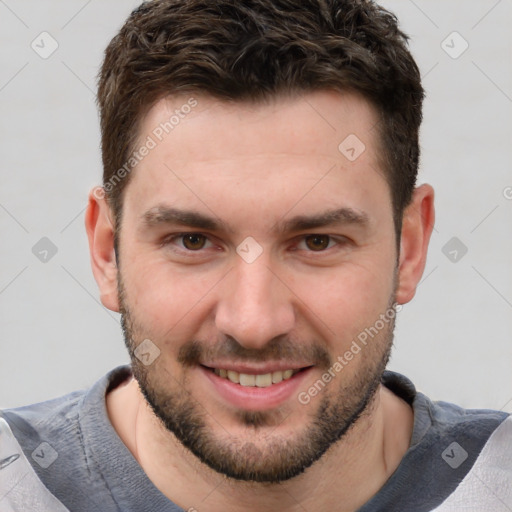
(417,225)
(100,232)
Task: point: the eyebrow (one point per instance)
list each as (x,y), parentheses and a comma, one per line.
(339,216)
(162,215)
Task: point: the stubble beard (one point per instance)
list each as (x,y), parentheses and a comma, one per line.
(259,456)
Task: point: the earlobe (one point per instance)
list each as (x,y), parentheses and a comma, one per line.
(417,226)
(100,233)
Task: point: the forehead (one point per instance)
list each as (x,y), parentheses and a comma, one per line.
(319,120)
(284,151)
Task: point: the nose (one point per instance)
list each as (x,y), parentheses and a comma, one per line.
(255,305)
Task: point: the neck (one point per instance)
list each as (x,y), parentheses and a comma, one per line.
(346,476)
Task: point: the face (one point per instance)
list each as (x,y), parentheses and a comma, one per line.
(253,254)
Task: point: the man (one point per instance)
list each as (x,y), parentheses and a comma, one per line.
(258,228)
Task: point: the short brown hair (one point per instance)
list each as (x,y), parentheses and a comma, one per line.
(255,50)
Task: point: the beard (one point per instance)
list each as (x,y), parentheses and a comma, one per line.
(258,456)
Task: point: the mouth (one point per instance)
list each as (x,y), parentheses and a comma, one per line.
(254,389)
(260,380)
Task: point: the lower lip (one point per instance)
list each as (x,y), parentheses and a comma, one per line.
(255,398)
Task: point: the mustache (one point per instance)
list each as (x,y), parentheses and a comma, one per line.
(193,352)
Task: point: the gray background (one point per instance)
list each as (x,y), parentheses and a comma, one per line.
(453,340)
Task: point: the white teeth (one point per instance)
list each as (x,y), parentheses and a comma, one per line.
(247,380)
(277,377)
(234,376)
(261,381)
(287,374)
(264,381)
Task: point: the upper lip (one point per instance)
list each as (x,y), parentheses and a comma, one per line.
(253,369)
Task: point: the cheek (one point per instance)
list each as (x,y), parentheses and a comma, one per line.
(344,302)
(161,297)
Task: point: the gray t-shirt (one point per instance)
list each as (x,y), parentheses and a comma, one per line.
(64,455)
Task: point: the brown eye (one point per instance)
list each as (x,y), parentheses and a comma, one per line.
(193,241)
(317,242)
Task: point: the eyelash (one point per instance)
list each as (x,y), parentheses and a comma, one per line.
(333,242)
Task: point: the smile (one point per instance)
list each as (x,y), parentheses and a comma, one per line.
(261,381)
(252,388)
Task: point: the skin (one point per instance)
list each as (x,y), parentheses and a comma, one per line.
(253,167)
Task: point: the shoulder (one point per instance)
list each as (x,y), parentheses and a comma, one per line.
(448,420)
(453,433)
(54,441)
(457,457)
(30,442)
(59,418)
(441,417)
(43,418)
(53,424)
(487,485)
